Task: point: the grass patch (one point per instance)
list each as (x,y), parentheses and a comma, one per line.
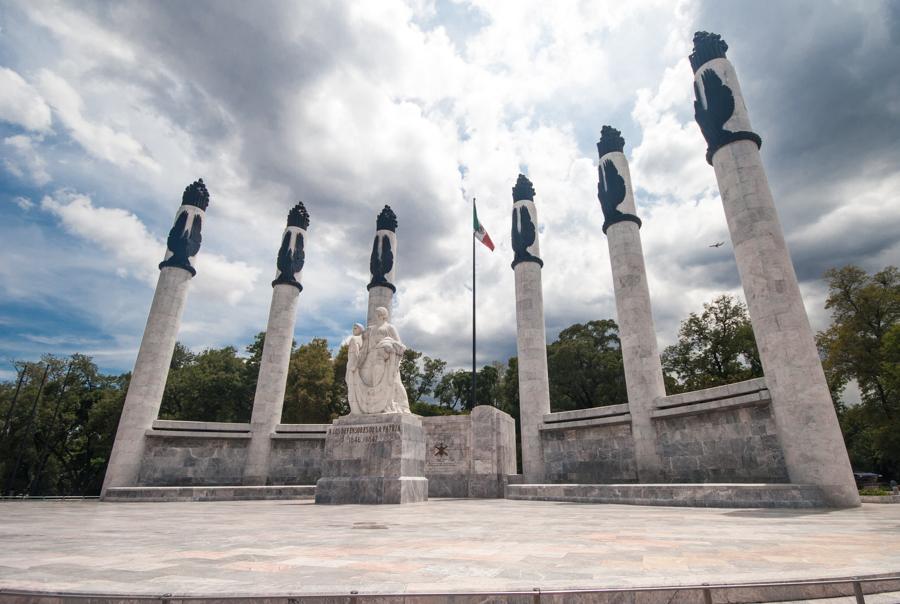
(878,491)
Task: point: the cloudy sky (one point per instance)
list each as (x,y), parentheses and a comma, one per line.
(108,110)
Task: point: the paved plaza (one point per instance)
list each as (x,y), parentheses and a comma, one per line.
(297,547)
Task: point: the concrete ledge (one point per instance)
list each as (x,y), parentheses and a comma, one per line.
(586,423)
(171,424)
(712,394)
(879,498)
(193,434)
(301,428)
(580,414)
(747,400)
(723,495)
(223,493)
(297,436)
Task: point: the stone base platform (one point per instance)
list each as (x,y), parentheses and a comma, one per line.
(407,489)
(280,552)
(374,459)
(223,493)
(731,495)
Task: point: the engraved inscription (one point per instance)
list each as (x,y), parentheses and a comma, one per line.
(365,434)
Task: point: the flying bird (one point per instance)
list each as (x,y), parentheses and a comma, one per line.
(718,244)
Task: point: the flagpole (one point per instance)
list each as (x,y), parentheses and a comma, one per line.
(473,308)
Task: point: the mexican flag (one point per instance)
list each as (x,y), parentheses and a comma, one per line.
(480,234)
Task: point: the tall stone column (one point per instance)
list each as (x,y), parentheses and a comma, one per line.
(383,263)
(148,379)
(531,338)
(640,354)
(276,354)
(808,429)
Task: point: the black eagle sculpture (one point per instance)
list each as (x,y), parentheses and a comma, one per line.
(718,108)
(382,260)
(524,232)
(184,239)
(611,186)
(611,193)
(291,258)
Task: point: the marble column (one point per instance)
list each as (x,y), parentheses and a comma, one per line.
(276,355)
(383,263)
(814,451)
(640,353)
(148,379)
(531,338)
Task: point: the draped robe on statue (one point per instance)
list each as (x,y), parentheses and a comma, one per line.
(373,370)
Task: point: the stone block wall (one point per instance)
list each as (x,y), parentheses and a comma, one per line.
(727,445)
(469,455)
(722,434)
(186,460)
(589,454)
(294,461)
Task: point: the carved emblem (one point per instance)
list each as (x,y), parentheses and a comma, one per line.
(440,450)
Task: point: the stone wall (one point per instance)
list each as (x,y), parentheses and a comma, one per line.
(723,434)
(193,460)
(295,460)
(469,455)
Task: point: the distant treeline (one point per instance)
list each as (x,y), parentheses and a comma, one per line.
(60,414)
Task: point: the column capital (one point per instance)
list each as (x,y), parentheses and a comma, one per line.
(184,238)
(717,96)
(384,246)
(524,224)
(611,186)
(291,254)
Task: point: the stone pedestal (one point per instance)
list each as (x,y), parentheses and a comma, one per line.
(378,458)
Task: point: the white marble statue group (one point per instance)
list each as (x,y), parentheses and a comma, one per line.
(373,368)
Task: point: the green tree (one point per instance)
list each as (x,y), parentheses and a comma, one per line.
(714,348)
(420,374)
(863,344)
(585,367)
(60,430)
(311,376)
(212,386)
(340,404)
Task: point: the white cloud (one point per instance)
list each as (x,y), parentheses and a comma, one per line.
(21,104)
(25,161)
(137,252)
(100,140)
(23,202)
(352,105)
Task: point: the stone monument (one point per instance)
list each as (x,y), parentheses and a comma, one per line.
(531,338)
(151,368)
(640,354)
(276,355)
(808,430)
(376,454)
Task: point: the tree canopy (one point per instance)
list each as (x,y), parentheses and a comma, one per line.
(714,348)
(863,345)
